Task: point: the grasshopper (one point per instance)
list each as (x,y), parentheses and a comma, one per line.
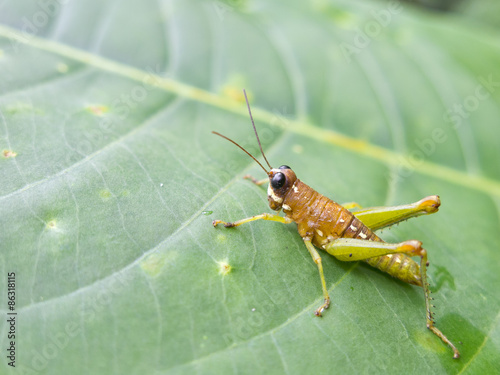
(348,236)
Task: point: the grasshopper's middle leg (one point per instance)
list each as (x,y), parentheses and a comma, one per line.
(317,260)
(349,249)
(380,217)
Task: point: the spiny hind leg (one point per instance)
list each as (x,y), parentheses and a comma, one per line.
(317,259)
(349,249)
(380,217)
(430,322)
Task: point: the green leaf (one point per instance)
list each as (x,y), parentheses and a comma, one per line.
(110,179)
(484,12)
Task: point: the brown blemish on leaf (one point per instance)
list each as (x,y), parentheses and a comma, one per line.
(234,93)
(98,110)
(224,267)
(9,154)
(62,68)
(298,149)
(105,194)
(153,264)
(21,107)
(156,263)
(234,89)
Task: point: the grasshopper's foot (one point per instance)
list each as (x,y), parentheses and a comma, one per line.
(227,225)
(429,204)
(323,307)
(437,332)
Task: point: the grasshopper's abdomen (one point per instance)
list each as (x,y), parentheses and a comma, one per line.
(324,221)
(398,265)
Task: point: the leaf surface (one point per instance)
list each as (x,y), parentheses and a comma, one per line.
(110,179)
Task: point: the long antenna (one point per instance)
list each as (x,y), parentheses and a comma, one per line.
(233,142)
(253,124)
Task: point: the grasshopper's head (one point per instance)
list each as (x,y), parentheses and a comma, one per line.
(281,180)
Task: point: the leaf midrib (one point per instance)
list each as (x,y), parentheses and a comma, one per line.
(384,155)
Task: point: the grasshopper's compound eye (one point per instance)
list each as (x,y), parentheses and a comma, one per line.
(278,180)
(285,167)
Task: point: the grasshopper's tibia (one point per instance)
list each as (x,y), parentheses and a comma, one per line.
(430,322)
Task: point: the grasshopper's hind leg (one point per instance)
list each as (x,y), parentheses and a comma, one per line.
(349,249)
(380,217)
(430,321)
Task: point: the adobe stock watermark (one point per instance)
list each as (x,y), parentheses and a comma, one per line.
(31,26)
(249,324)
(40,357)
(371,29)
(425,148)
(281,119)
(471,103)
(115,113)
(454,116)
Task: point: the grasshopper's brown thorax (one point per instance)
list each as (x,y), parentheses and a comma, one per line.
(281,181)
(320,218)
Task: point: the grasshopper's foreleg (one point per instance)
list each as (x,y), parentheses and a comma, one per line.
(271,217)
(380,217)
(349,249)
(317,260)
(255,181)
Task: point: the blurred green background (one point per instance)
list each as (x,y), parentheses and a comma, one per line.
(485,12)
